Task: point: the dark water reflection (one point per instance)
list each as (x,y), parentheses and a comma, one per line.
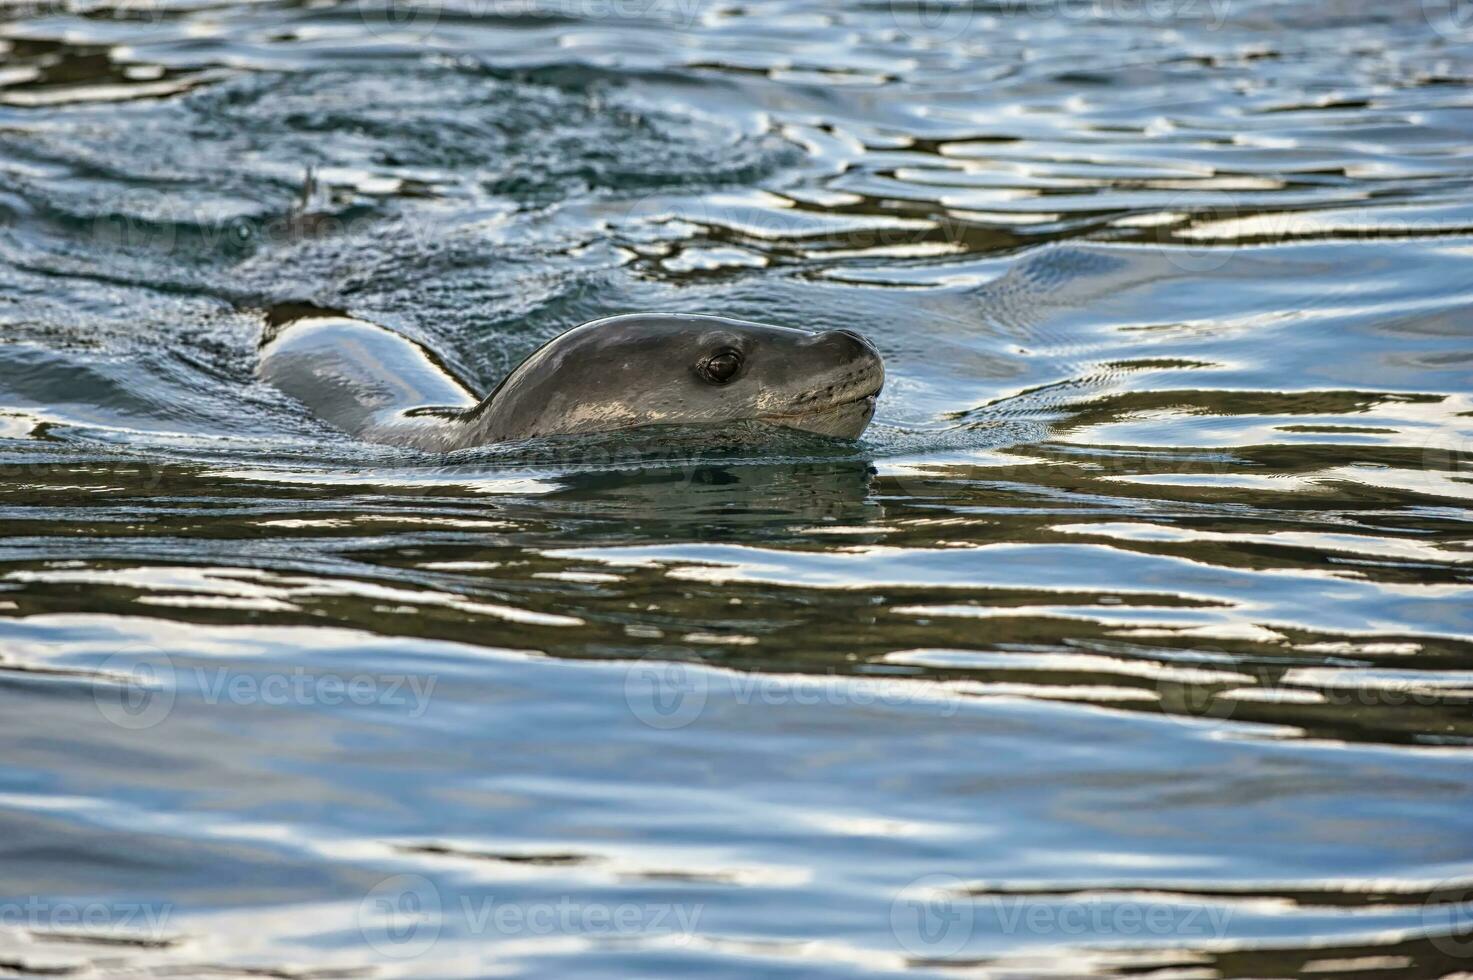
(1135,639)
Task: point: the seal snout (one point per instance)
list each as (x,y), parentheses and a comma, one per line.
(862,370)
(832,380)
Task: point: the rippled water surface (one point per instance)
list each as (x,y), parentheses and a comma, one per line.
(1134,639)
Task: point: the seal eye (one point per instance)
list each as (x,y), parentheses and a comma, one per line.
(721,366)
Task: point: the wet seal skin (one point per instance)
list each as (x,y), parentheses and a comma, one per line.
(621,372)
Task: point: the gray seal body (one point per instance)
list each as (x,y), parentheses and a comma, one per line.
(621,372)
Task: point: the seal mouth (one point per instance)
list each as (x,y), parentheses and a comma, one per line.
(844,420)
(859,401)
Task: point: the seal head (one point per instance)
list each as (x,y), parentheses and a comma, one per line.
(653,369)
(642,369)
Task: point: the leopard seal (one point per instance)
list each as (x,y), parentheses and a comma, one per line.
(619,372)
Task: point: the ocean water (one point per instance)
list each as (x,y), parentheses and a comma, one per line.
(1134,639)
